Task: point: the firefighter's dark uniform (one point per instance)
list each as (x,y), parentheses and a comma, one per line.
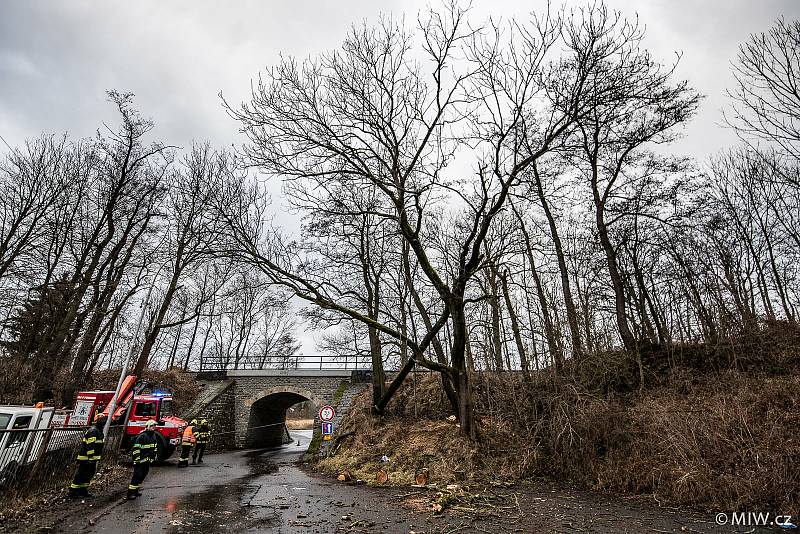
(90,453)
(144,452)
(188,440)
(203,435)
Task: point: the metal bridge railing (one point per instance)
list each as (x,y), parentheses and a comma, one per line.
(352,362)
(42,459)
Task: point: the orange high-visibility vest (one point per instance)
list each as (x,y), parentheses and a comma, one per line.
(188,435)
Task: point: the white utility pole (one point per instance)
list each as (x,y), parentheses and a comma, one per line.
(123,372)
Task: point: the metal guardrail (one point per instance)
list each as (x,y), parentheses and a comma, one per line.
(42,459)
(351,362)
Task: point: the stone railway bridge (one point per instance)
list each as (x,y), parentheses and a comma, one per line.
(247,408)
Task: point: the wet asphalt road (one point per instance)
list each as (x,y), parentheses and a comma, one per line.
(230,492)
(258,491)
(266,492)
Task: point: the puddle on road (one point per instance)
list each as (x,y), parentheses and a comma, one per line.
(220,508)
(260,466)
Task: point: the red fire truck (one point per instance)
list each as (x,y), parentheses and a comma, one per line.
(138,407)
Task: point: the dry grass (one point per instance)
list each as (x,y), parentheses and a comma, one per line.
(728,443)
(435,445)
(300,424)
(721,440)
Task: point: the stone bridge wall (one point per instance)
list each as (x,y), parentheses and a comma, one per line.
(237,400)
(216,403)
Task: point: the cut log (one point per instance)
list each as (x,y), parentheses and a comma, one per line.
(381,477)
(421,478)
(344,476)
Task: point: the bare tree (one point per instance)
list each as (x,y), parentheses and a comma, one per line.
(634,104)
(32,181)
(192,234)
(366,116)
(765,99)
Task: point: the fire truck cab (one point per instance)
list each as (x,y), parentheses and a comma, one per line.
(139,408)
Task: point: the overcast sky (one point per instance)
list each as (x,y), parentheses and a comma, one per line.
(58,58)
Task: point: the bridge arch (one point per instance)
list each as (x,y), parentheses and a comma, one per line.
(267,413)
(251,386)
(283,388)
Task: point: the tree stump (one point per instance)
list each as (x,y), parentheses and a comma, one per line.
(381,477)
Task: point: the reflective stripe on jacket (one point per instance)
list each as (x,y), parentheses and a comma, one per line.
(188,436)
(92,445)
(145,448)
(203,434)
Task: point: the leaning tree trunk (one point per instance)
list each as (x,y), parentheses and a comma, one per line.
(152,335)
(628,340)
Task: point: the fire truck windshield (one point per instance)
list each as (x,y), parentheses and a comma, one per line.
(166,407)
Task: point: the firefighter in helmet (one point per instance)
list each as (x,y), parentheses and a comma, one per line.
(203,435)
(89,455)
(188,439)
(144,453)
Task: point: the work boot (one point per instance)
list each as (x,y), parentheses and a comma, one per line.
(131,496)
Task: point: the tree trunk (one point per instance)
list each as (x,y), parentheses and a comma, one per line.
(466,415)
(628,340)
(158,320)
(569,303)
(523,358)
(552,344)
(494,307)
(378,375)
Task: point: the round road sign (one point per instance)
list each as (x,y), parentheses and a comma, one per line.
(327,413)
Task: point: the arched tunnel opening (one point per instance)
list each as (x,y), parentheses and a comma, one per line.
(266,425)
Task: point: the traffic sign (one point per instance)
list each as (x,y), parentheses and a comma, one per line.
(327,413)
(327,428)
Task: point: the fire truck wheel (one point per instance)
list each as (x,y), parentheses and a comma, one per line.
(161,447)
(164,448)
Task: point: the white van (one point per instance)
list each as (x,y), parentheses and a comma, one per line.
(18,445)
